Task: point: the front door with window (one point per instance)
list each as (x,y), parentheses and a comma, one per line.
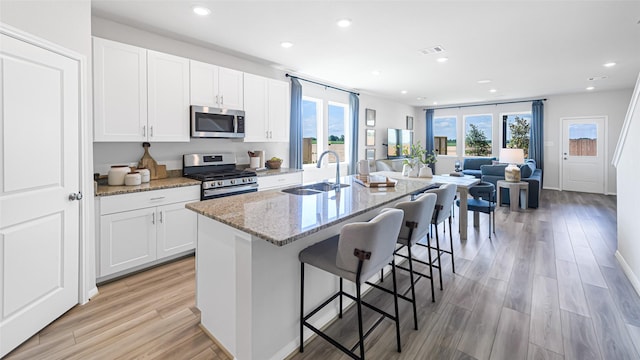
(583,154)
(39,222)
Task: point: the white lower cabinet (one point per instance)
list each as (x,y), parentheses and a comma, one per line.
(278,181)
(144,228)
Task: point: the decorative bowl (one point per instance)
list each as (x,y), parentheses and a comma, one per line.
(274,164)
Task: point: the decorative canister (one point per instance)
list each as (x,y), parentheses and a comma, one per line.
(145,175)
(116,174)
(132,178)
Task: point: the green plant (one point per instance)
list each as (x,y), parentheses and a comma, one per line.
(418,154)
(476,142)
(520,131)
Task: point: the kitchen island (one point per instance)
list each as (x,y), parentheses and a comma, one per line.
(247,269)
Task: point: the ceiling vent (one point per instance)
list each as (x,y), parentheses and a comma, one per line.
(432,50)
(596,78)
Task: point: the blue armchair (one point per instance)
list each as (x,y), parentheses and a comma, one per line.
(528,173)
(471,166)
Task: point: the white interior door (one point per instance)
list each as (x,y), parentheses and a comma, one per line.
(583,154)
(39,224)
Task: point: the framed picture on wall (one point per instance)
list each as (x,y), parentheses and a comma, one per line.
(370,117)
(409,122)
(371,137)
(370,154)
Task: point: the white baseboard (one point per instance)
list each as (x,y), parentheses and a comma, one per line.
(635,282)
(550,188)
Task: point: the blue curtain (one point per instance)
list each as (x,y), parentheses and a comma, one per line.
(428,144)
(536,145)
(295,127)
(354,105)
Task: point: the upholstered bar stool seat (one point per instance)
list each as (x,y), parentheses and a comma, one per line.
(359,252)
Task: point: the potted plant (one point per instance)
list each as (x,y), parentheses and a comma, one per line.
(416,158)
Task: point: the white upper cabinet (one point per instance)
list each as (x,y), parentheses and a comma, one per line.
(168,97)
(216,86)
(120,91)
(139,94)
(266,109)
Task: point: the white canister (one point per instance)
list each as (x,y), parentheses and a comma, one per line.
(116,174)
(132,178)
(145,175)
(254,162)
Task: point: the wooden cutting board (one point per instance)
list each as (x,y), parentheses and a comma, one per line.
(148,162)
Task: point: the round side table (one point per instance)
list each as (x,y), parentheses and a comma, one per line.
(516,190)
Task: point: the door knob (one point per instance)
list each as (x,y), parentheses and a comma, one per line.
(75,196)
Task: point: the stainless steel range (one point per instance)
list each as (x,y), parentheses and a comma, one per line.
(218,174)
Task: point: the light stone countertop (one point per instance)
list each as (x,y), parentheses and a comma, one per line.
(172,182)
(281,218)
(272,172)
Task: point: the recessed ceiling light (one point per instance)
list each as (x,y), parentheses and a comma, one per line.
(375,72)
(343,23)
(492,90)
(485,81)
(435,103)
(419,98)
(201,10)
(286,44)
(591,88)
(403,92)
(609,64)
(442,59)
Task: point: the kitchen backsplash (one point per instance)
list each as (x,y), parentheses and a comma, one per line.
(170,154)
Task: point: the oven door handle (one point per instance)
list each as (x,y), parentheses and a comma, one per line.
(228,190)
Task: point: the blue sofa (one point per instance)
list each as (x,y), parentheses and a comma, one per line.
(471,166)
(528,173)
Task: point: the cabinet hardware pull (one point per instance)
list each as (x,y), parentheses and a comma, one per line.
(270,135)
(161,216)
(151,131)
(157,198)
(144,130)
(153,218)
(222,100)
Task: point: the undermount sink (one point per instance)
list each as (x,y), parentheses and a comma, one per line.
(313,189)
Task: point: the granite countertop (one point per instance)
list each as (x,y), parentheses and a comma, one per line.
(171,182)
(283,218)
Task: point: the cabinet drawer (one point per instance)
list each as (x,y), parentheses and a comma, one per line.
(276,181)
(140,200)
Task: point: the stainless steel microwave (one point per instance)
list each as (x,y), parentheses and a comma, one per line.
(209,122)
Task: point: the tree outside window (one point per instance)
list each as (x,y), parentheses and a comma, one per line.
(478,135)
(516,131)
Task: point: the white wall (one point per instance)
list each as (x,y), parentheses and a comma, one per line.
(629,197)
(612,104)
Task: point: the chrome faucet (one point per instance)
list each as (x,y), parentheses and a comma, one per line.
(335,154)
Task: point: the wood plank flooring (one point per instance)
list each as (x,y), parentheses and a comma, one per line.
(546,286)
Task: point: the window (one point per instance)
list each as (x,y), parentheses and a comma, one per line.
(516,131)
(311,120)
(324,127)
(445,135)
(478,133)
(583,140)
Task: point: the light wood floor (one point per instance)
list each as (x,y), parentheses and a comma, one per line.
(546,286)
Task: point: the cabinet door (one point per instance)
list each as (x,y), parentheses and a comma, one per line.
(278,94)
(230,85)
(204,78)
(177,229)
(127,239)
(119,91)
(168,97)
(255,108)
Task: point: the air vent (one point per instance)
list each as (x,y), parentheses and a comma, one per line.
(596,78)
(432,50)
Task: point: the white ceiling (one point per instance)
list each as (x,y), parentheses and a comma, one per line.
(526,48)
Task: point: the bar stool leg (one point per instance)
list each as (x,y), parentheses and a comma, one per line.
(433,293)
(360,331)
(453,264)
(301,306)
(395,303)
(340,314)
(413,290)
(439,256)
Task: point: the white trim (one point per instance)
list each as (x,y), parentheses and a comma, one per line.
(605,145)
(635,282)
(635,98)
(86,287)
(551,188)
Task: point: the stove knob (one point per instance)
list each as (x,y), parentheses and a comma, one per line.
(219,183)
(244,180)
(233,181)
